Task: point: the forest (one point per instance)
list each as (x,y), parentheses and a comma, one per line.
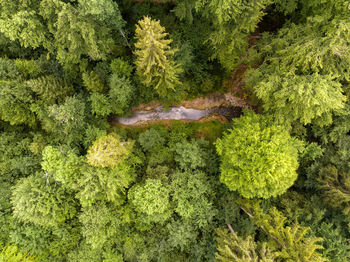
(271,184)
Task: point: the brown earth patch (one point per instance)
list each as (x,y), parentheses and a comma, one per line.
(234,97)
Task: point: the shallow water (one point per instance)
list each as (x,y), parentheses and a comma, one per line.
(176,113)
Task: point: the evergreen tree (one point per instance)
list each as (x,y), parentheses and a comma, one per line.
(233,22)
(232,247)
(336,188)
(41,201)
(50,89)
(305,65)
(154,62)
(290,242)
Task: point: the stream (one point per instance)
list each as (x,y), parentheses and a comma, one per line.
(177,113)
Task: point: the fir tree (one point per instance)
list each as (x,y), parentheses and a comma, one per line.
(232,247)
(336,188)
(154,62)
(290,241)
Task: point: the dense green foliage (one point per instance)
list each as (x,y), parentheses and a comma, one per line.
(258,157)
(273,184)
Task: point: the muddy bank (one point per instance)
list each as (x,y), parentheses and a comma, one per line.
(200,103)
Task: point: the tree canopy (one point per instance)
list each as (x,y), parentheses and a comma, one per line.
(258,157)
(263,176)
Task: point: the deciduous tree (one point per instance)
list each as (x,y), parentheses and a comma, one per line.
(258,157)
(107,151)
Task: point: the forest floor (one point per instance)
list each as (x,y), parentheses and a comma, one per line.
(235,96)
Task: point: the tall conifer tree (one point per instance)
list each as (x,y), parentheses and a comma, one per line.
(154,62)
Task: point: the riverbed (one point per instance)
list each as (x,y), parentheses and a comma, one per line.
(177,113)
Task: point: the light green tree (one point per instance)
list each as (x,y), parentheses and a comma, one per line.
(104,184)
(231,247)
(62,163)
(107,151)
(10,253)
(151,200)
(259,158)
(154,62)
(290,242)
(40,200)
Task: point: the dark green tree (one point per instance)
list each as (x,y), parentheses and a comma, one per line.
(335,186)
(233,22)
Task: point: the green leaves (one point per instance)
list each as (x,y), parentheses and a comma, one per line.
(15,100)
(151,201)
(231,247)
(12,254)
(107,151)
(258,157)
(192,194)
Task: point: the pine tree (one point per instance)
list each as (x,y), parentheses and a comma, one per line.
(232,247)
(154,62)
(336,188)
(233,22)
(290,241)
(50,89)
